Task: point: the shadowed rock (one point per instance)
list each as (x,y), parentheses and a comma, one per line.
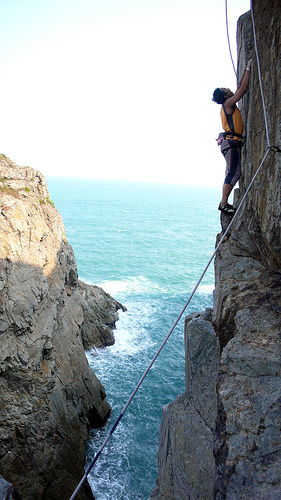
(49,395)
(188,431)
(240,456)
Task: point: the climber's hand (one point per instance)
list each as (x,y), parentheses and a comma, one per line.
(249,63)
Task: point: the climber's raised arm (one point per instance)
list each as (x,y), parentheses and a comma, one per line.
(241,90)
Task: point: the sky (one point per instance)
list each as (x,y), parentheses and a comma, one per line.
(116,89)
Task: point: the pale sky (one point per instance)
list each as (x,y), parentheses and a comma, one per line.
(115,89)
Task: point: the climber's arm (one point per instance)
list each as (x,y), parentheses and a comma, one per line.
(241,90)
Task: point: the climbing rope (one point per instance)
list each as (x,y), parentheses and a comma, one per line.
(125,407)
(228,40)
(121,415)
(270,147)
(259,74)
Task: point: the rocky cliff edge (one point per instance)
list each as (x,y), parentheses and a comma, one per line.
(221,439)
(49,395)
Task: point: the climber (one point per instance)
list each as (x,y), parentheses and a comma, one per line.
(231,139)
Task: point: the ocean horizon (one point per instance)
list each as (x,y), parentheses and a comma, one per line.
(146,244)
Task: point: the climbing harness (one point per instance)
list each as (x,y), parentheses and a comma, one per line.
(124,409)
(232,135)
(232,121)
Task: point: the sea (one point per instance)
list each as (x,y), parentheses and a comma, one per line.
(146,244)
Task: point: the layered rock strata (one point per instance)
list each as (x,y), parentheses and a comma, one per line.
(49,395)
(232,450)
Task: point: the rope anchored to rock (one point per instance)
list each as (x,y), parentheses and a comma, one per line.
(121,415)
(275,149)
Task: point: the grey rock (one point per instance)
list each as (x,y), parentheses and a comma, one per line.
(202,361)
(100,316)
(245,395)
(49,395)
(247,296)
(188,432)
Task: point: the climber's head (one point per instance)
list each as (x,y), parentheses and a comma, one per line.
(221,95)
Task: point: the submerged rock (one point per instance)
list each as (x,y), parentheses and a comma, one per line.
(49,395)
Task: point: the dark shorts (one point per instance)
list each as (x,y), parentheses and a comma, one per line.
(231,150)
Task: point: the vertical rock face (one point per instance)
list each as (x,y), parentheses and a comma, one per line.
(247,309)
(49,396)
(243,447)
(187,466)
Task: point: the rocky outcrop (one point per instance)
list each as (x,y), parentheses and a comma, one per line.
(100,316)
(186,460)
(239,456)
(247,308)
(49,395)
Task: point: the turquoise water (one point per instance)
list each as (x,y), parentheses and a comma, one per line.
(147,245)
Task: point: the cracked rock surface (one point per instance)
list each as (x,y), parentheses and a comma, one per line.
(49,395)
(186,461)
(221,439)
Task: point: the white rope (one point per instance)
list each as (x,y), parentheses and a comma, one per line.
(260,77)
(269,148)
(90,466)
(228,40)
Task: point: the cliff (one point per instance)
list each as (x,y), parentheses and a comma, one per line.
(221,439)
(49,395)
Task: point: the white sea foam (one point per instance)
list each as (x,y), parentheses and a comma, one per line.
(113,287)
(206,289)
(131,285)
(131,337)
(148,257)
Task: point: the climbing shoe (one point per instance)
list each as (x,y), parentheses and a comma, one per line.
(227,209)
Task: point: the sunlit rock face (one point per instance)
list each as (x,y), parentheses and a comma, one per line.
(244,436)
(49,395)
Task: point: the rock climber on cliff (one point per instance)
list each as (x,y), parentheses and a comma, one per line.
(231,139)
